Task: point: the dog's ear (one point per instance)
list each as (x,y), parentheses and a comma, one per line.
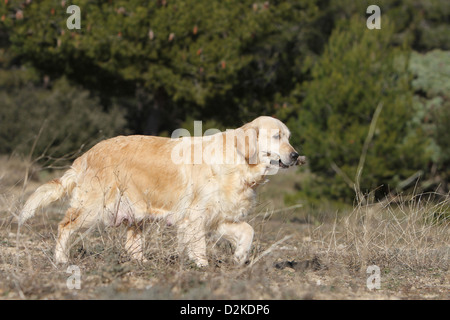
(247,142)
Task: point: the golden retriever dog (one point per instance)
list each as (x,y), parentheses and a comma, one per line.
(199,184)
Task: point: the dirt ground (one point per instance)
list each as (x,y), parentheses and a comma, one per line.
(294,256)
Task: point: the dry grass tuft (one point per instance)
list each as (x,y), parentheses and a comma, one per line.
(412,234)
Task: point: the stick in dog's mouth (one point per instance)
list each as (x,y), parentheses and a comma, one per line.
(301,160)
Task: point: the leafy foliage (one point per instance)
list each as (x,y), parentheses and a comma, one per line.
(431,85)
(312,63)
(224,60)
(358,71)
(59,122)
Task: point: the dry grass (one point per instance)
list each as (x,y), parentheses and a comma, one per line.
(408,239)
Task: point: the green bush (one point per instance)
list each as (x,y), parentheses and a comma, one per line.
(359,71)
(59,121)
(431,85)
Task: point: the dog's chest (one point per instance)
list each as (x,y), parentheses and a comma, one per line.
(231,199)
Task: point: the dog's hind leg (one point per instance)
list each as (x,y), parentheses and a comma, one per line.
(135,242)
(71,223)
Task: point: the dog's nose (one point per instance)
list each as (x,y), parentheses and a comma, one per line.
(294,155)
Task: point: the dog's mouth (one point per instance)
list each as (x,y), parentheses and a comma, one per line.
(279,163)
(301,160)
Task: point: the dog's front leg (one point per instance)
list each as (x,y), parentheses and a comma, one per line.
(191,237)
(240,234)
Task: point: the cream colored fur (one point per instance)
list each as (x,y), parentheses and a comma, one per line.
(128,179)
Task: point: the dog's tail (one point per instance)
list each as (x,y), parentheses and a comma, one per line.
(48,193)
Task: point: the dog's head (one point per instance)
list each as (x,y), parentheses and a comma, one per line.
(266,140)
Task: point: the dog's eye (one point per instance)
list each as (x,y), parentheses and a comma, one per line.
(277,136)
